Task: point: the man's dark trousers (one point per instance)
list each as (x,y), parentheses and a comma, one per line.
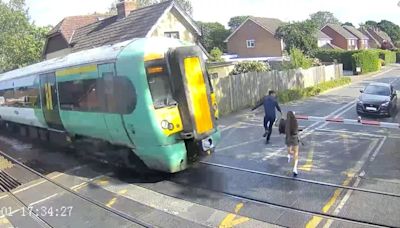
(268,123)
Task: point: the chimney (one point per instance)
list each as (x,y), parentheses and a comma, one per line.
(124,7)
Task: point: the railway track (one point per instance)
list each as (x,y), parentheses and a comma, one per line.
(233,195)
(7,183)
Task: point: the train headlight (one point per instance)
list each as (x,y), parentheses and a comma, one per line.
(165,124)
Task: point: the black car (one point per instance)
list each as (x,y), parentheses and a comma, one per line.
(377,99)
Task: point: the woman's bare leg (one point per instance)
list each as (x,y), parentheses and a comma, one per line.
(296,158)
(289,153)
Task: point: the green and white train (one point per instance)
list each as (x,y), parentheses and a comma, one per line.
(150,96)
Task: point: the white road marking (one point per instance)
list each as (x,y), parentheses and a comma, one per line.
(42,200)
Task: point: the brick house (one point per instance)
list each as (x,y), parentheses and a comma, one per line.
(377,38)
(165,19)
(362,39)
(322,39)
(341,37)
(255,37)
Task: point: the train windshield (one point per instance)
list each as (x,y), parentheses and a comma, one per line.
(160,87)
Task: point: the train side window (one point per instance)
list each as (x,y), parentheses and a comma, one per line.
(7,97)
(79,95)
(120,93)
(27,97)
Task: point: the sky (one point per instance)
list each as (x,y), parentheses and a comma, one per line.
(50,12)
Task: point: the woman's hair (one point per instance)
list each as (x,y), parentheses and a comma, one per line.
(291,123)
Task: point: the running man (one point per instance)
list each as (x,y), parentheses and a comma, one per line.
(270,104)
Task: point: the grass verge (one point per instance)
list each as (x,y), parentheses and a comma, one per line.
(297,94)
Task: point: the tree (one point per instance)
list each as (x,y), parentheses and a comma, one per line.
(371,24)
(213,35)
(300,35)
(348,24)
(186,5)
(21,42)
(235,22)
(390,28)
(321,18)
(216,55)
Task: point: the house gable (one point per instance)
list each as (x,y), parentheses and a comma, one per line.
(340,37)
(265,44)
(172,23)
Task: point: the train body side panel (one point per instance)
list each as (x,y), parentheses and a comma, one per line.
(86,123)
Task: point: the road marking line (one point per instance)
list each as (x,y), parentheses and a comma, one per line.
(111,202)
(230,220)
(309,162)
(42,200)
(350,174)
(342,203)
(316,220)
(377,149)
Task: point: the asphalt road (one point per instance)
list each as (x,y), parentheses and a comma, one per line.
(349,176)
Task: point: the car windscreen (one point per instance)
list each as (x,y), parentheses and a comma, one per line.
(377,90)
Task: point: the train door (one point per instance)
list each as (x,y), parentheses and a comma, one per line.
(50,107)
(113,117)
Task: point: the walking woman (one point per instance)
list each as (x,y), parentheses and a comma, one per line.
(292,139)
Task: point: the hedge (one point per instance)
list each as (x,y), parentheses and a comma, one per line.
(334,55)
(398,57)
(388,56)
(296,94)
(368,61)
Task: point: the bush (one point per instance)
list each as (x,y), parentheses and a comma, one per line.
(333,55)
(398,57)
(296,94)
(388,56)
(216,55)
(298,60)
(250,66)
(367,60)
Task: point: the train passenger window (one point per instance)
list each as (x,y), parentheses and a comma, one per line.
(27,97)
(160,87)
(7,97)
(79,95)
(120,94)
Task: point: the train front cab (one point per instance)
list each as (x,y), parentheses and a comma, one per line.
(184,104)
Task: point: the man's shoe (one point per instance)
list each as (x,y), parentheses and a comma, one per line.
(265,133)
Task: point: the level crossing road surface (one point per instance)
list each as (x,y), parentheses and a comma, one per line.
(349,176)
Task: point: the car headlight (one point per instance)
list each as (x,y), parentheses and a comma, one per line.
(386,104)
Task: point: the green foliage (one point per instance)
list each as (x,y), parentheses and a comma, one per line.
(390,28)
(214,35)
(348,24)
(371,24)
(300,35)
(367,60)
(236,21)
(388,56)
(321,18)
(215,55)
(298,60)
(334,55)
(296,94)
(398,57)
(250,66)
(21,42)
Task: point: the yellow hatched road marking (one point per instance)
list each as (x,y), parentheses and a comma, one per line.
(4,163)
(230,220)
(309,162)
(5,222)
(316,220)
(114,200)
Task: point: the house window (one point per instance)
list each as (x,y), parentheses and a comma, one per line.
(174,35)
(251,43)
